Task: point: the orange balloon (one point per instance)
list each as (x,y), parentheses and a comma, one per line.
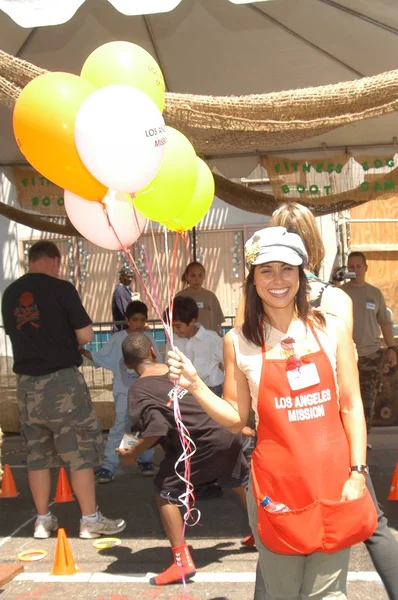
(44,121)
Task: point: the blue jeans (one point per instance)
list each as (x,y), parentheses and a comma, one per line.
(115,436)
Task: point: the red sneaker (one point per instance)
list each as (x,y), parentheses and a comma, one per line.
(183,566)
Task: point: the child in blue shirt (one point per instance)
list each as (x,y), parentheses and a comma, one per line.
(110,357)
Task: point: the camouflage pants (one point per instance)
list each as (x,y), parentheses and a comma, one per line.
(58,421)
(370,373)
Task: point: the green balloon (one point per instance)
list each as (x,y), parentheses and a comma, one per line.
(169,193)
(200,201)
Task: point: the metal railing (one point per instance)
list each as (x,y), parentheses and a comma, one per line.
(7,375)
(105,329)
(96,378)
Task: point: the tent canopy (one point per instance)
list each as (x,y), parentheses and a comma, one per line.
(214,55)
(219,48)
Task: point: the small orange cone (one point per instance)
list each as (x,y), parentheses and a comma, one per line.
(8,489)
(64,563)
(63,492)
(393,495)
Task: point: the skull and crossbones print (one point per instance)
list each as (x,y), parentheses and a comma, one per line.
(27,311)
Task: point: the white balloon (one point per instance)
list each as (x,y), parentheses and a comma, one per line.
(120,136)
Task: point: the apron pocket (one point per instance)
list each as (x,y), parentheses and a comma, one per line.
(293,532)
(347,523)
(323,526)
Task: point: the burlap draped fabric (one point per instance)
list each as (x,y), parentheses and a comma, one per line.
(247,123)
(244,123)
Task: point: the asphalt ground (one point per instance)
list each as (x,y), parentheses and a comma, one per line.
(225,570)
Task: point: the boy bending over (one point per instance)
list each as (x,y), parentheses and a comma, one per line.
(218,453)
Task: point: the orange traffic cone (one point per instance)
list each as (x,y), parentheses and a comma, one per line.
(64,563)
(8,489)
(63,492)
(393,495)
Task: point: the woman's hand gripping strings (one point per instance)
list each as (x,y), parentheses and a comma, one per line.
(182,372)
(231,411)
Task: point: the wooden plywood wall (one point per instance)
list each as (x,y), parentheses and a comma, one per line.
(216,250)
(103,267)
(219,251)
(379,242)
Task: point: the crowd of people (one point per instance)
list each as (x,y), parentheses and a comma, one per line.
(301,367)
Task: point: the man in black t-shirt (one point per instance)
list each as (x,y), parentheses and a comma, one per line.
(46,322)
(218,453)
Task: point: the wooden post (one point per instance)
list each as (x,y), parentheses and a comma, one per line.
(8,572)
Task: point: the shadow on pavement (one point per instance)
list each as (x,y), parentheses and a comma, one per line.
(129,562)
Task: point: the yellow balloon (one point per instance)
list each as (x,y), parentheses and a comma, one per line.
(200,202)
(44,128)
(169,193)
(125,63)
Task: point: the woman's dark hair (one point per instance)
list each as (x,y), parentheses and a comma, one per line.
(136,307)
(254,310)
(185,310)
(194,263)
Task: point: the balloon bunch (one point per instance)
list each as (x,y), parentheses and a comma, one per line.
(101,136)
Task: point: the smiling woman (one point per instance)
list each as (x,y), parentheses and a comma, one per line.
(297,370)
(276,282)
(273,286)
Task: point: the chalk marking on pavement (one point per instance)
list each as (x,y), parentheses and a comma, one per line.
(9,537)
(363,576)
(203,577)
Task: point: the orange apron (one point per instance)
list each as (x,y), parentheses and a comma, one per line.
(302,460)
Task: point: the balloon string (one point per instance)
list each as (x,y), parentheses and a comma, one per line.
(187,498)
(153,301)
(157,253)
(142,193)
(169,296)
(173,280)
(130,258)
(153,298)
(151,279)
(159,271)
(174,267)
(184,237)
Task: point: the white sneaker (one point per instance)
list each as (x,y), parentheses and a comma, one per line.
(44,527)
(102,526)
